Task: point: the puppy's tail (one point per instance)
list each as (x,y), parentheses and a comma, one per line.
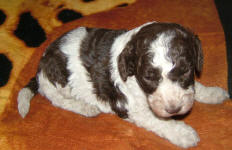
(25,95)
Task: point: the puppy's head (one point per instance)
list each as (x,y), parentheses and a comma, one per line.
(164,58)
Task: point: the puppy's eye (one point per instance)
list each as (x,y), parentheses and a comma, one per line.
(187,72)
(148,77)
(184,71)
(152,75)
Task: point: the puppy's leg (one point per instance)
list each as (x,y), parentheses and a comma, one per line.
(76,106)
(177,132)
(61,97)
(209,95)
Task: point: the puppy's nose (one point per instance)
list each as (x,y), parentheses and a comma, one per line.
(173,109)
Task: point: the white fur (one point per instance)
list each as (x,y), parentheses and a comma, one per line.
(160,48)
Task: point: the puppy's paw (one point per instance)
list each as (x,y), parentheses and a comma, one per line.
(183,135)
(212,95)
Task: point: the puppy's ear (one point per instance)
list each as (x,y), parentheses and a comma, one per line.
(126,62)
(198,55)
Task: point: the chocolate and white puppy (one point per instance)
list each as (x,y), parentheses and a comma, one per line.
(143,75)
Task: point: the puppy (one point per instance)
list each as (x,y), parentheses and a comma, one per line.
(144,75)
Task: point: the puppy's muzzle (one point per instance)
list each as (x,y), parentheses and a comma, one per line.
(163,107)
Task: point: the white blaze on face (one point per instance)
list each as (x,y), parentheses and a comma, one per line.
(169,98)
(160,48)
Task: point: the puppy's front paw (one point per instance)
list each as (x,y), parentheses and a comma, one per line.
(212,95)
(183,135)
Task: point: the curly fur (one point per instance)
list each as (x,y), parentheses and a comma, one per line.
(144,75)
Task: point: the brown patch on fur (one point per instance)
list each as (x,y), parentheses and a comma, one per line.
(54,64)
